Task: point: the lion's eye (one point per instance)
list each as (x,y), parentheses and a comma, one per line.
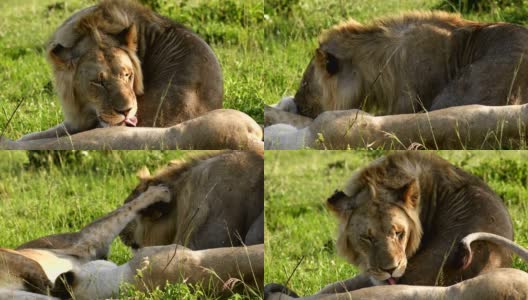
(399,235)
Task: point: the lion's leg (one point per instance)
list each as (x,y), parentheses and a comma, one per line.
(16,267)
(58,131)
(218,129)
(358,282)
(274,115)
(461,127)
(95,239)
(217,268)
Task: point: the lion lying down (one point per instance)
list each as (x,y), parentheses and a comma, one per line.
(218,129)
(461,127)
(73,265)
(403,65)
(502,283)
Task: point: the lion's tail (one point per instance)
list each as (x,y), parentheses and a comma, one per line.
(492,238)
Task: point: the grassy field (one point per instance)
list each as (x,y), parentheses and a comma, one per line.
(291,28)
(231,27)
(39,197)
(297,184)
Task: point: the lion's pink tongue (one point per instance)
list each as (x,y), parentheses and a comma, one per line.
(131,122)
(391,281)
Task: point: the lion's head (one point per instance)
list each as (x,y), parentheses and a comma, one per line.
(154,225)
(374,66)
(379,219)
(99,78)
(340,71)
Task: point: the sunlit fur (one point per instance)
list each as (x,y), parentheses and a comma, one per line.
(413,62)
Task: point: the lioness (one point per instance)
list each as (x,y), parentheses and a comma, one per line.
(402,217)
(218,129)
(420,61)
(35,265)
(119,63)
(216,201)
(503,283)
(72,265)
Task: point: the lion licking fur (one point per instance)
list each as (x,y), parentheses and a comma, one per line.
(402,217)
(502,283)
(119,63)
(398,213)
(216,202)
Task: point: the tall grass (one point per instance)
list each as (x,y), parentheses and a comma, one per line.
(43,193)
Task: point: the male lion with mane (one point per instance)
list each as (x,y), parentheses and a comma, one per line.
(419,61)
(118,63)
(216,201)
(402,219)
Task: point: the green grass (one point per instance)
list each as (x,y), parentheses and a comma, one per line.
(291,32)
(39,197)
(297,184)
(229,26)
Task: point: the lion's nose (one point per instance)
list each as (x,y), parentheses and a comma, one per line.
(123,112)
(390,271)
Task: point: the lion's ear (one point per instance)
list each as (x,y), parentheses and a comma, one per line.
(327,60)
(339,202)
(128,37)
(410,193)
(62,56)
(143,173)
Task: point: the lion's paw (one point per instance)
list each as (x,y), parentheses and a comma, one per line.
(160,192)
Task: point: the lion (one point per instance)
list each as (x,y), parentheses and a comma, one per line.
(120,64)
(74,265)
(401,217)
(503,283)
(417,62)
(218,129)
(216,201)
(36,265)
(460,127)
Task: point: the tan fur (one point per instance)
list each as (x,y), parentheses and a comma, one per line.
(120,61)
(414,62)
(422,197)
(502,283)
(36,265)
(218,129)
(216,199)
(70,265)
